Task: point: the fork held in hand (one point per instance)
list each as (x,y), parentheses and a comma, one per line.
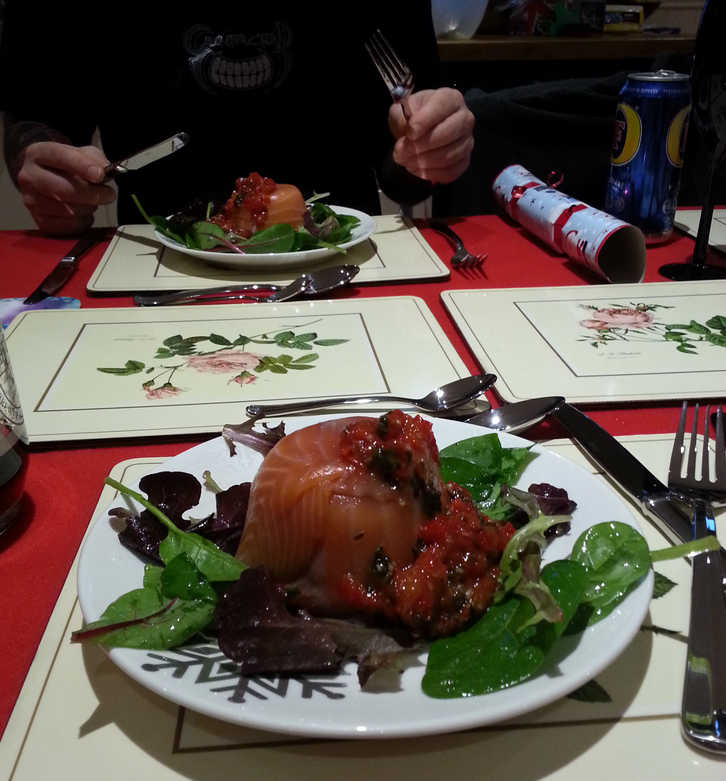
(703,712)
(396,75)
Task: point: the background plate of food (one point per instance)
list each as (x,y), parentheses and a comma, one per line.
(248,258)
(262,224)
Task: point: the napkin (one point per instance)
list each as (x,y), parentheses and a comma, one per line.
(9,307)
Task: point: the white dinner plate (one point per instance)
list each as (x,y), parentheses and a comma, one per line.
(261,260)
(198,677)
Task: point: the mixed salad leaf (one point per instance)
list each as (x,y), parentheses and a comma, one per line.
(192,584)
(191,227)
(484,467)
(504,647)
(509,644)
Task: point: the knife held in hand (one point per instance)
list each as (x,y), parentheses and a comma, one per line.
(62,271)
(145,156)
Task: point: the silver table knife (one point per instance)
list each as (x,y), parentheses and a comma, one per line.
(145,156)
(62,271)
(650,493)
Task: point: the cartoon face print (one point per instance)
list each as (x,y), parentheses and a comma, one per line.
(224,63)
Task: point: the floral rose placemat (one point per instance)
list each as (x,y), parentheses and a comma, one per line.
(622,723)
(134,261)
(641,342)
(97,373)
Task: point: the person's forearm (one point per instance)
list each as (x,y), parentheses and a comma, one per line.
(19,135)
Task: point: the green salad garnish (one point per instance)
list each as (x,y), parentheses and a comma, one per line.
(192,228)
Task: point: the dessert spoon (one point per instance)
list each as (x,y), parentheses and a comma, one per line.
(438,400)
(519,415)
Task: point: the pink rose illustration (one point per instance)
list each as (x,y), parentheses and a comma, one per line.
(617,318)
(165,391)
(223,362)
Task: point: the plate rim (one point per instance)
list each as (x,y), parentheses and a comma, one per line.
(128,659)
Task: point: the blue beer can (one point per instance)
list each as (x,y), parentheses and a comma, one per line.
(649,138)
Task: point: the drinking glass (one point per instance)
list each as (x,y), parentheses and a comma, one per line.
(13,458)
(13,463)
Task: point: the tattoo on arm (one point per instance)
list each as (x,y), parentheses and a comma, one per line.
(19,135)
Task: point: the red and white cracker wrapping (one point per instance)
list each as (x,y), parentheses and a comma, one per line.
(612,248)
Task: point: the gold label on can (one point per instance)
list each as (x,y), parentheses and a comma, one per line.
(627,135)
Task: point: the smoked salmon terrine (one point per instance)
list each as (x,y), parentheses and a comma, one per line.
(352,516)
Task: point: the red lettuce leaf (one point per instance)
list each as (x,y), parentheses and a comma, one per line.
(174,493)
(224,528)
(256,630)
(245,434)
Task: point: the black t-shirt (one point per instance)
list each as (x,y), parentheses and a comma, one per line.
(284,89)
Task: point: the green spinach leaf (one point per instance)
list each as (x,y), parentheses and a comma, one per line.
(149,621)
(276,238)
(181,578)
(482,466)
(502,649)
(206,235)
(616,558)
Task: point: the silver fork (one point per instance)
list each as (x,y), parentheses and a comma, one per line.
(703,709)
(396,75)
(461,258)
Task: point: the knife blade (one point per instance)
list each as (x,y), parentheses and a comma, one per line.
(62,271)
(650,493)
(145,156)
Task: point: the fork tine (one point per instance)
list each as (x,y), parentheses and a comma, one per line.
(396,75)
(391,59)
(401,67)
(693,447)
(382,72)
(676,464)
(479,265)
(705,468)
(720,464)
(381,55)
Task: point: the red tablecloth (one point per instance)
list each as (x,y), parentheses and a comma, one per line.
(64,481)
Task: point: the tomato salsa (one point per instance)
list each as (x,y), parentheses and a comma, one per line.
(453,574)
(251,196)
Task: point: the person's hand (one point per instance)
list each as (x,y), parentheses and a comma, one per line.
(437,141)
(61,185)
